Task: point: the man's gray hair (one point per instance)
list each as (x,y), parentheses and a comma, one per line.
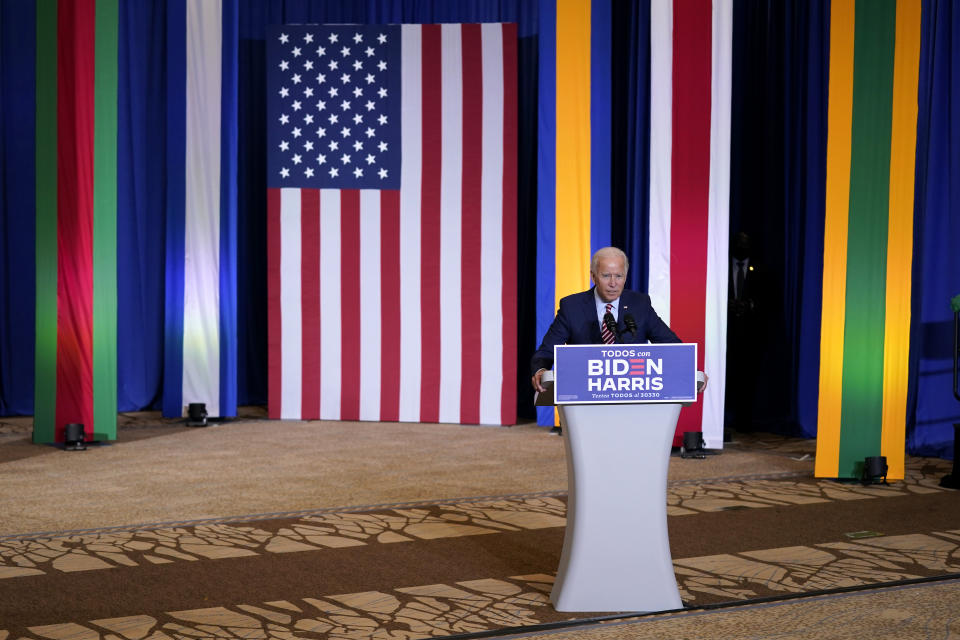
(609,251)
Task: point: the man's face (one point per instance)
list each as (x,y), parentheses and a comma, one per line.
(610,277)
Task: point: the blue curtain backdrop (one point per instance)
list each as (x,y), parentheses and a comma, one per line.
(630,136)
(781,55)
(777,182)
(17,204)
(931,407)
(141,203)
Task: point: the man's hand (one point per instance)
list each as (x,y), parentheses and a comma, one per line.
(535,381)
(702,385)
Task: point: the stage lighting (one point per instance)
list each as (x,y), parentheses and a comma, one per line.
(692,445)
(73,438)
(874,470)
(197,414)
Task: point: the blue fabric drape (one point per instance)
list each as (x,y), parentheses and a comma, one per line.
(174,194)
(631,137)
(931,407)
(17,205)
(807,251)
(141,179)
(546,174)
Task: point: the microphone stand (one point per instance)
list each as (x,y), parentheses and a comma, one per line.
(611,325)
(631,325)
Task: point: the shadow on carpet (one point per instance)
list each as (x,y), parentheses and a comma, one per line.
(465,566)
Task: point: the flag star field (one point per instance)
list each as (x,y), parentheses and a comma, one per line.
(334,107)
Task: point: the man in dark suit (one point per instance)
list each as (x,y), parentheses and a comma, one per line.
(580,317)
(747,326)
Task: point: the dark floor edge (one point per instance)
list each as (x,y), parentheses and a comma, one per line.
(780,475)
(626,618)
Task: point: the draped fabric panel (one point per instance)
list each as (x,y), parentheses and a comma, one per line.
(874,60)
(931,407)
(76,215)
(201,285)
(690,85)
(141,181)
(631,138)
(573,162)
(17,203)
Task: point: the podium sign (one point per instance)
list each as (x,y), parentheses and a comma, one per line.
(612,373)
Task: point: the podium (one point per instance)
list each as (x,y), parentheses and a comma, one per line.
(616,549)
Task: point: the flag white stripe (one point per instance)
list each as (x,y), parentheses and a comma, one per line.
(715,356)
(368,297)
(330,329)
(201,287)
(451,211)
(291,330)
(411,132)
(491,243)
(661,154)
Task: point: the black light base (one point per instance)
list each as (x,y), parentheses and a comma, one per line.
(692,446)
(73,437)
(874,470)
(197,414)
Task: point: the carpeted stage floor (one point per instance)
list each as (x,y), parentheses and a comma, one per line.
(262,529)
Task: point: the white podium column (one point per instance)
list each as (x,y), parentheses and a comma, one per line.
(616,550)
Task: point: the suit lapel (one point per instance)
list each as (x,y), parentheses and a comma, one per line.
(589,306)
(626,306)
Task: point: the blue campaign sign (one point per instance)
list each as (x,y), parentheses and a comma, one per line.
(593,373)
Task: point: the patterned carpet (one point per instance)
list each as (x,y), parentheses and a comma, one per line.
(421,570)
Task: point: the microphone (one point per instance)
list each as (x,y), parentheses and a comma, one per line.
(611,324)
(631,324)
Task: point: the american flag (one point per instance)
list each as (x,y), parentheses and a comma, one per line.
(392,222)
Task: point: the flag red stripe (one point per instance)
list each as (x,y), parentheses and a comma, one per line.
(692,46)
(390,304)
(76,30)
(274,348)
(508,405)
(471,224)
(350,304)
(430,310)
(310,302)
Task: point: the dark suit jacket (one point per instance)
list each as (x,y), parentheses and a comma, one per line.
(576,323)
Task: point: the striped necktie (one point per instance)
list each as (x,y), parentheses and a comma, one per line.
(605,334)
